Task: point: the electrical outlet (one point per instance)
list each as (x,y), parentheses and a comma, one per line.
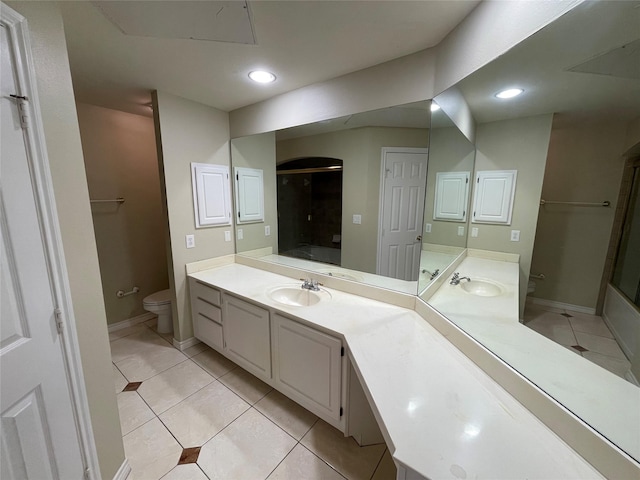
(515,235)
(190,240)
(227,235)
(267,230)
(427,228)
(240,234)
(461,231)
(357,219)
(474,232)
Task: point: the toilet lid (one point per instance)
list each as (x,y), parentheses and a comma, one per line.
(159,298)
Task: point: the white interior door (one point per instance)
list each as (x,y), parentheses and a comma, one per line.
(38,433)
(404,176)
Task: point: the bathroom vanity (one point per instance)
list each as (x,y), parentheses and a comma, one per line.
(439,413)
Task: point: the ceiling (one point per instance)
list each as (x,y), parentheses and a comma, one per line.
(302,42)
(574,67)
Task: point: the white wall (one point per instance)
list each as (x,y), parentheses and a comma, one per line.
(449,151)
(72,200)
(521,145)
(584,164)
(121,161)
(259,152)
(188,132)
(491,29)
(403,80)
(488,31)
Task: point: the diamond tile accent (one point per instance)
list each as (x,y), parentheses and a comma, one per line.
(132,387)
(189,455)
(579,348)
(566,315)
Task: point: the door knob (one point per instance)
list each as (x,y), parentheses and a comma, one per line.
(419,238)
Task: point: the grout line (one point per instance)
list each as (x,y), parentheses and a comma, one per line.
(379,462)
(322,460)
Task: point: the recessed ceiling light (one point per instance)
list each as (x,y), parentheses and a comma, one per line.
(434,107)
(509,93)
(261,76)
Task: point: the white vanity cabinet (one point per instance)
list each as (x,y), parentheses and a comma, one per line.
(307,367)
(206,314)
(247,339)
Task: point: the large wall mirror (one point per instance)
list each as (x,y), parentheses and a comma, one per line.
(581,82)
(346,197)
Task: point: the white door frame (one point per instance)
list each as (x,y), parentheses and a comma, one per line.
(383,154)
(43,189)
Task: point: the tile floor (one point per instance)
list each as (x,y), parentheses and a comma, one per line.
(195,415)
(583,334)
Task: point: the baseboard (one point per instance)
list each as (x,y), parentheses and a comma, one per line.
(565,306)
(130,322)
(123,472)
(189,342)
(631,377)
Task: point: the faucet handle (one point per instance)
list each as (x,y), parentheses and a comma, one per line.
(456,275)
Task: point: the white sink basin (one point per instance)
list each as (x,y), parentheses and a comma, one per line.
(296,296)
(482,288)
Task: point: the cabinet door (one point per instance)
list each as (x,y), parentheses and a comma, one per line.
(246,336)
(307,367)
(494,195)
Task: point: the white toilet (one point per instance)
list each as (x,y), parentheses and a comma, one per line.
(160,304)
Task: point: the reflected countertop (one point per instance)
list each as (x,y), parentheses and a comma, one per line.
(443,416)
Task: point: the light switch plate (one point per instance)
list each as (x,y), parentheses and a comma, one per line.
(357,219)
(461,231)
(515,235)
(240,234)
(227,235)
(427,228)
(190,240)
(474,232)
(267,230)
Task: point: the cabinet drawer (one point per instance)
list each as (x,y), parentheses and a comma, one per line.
(208,294)
(209,311)
(209,332)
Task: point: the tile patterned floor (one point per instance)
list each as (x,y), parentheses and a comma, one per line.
(583,334)
(195,415)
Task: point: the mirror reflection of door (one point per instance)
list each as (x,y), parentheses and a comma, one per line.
(404,175)
(310,209)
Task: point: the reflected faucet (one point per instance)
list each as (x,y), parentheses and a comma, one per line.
(310,284)
(456,279)
(431,275)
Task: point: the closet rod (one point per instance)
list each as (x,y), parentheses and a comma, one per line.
(606,203)
(116,200)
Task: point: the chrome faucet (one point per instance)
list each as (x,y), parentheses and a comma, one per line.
(431,275)
(456,279)
(310,284)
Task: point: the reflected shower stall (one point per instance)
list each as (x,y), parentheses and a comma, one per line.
(310,209)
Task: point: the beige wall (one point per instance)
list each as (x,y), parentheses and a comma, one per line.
(521,145)
(449,151)
(121,161)
(584,165)
(259,151)
(188,132)
(72,200)
(360,149)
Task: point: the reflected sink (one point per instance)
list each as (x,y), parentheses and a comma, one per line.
(295,296)
(482,288)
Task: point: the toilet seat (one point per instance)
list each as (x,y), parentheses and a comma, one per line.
(162,297)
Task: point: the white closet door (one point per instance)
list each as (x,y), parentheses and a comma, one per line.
(452,196)
(249,195)
(211,195)
(494,195)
